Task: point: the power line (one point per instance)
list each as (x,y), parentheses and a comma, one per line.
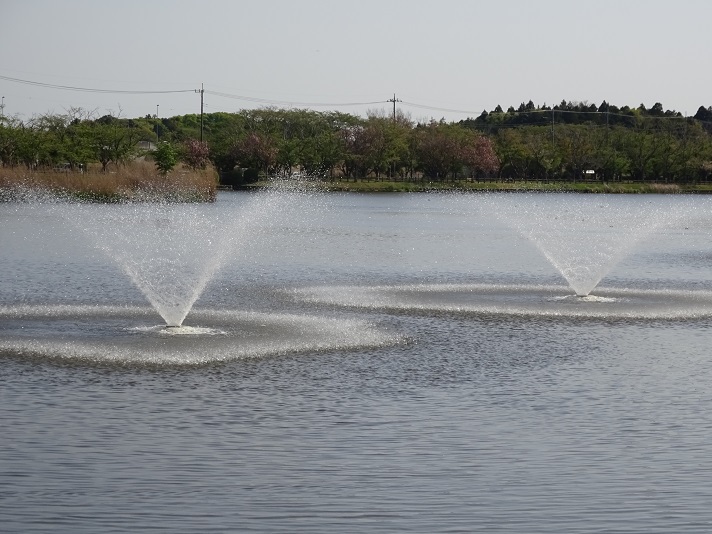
(291,102)
(305,104)
(215,93)
(89,89)
(447,110)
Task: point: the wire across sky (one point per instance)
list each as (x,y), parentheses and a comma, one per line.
(255,100)
(267,101)
(88,89)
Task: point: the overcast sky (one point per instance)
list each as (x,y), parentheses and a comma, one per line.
(435,56)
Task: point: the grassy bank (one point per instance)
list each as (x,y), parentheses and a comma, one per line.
(137,181)
(560,187)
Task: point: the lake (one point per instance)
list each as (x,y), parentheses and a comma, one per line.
(359,363)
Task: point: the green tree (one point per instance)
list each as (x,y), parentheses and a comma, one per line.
(577,149)
(513,154)
(437,150)
(112,139)
(9,143)
(166,157)
(320,154)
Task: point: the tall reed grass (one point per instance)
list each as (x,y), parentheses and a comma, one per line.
(136,181)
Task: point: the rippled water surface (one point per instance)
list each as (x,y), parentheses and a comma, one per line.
(380,363)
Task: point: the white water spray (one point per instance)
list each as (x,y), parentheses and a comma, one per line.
(583,236)
(172,251)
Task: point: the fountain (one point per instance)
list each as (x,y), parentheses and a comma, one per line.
(170,252)
(79,309)
(583,236)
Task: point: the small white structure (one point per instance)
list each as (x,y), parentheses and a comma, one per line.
(147,146)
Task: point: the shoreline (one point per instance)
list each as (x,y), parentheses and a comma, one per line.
(514,187)
(202,187)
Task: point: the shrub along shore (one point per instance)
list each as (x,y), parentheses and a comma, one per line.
(136,181)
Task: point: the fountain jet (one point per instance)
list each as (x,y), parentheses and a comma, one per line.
(582,236)
(171,251)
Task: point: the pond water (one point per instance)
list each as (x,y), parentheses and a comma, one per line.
(360,363)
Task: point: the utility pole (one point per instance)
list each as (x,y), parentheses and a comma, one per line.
(201,91)
(2,108)
(158,133)
(394,100)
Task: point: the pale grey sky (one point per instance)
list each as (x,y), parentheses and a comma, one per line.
(465,55)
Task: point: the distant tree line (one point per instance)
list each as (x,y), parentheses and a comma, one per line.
(570,141)
(562,142)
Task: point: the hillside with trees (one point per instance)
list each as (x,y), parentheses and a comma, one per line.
(563,141)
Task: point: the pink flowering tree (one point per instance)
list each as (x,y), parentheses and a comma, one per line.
(477,152)
(256,151)
(196,154)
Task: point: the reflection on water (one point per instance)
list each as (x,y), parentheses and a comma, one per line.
(387,397)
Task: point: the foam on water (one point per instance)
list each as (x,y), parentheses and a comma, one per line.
(588,298)
(72,311)
(75,333)
(180,330)
(525,300)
